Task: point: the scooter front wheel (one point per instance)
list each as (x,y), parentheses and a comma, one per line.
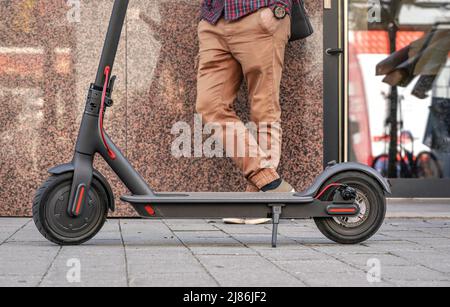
(372,202)
(51,216)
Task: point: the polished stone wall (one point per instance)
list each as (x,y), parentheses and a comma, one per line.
(48,56)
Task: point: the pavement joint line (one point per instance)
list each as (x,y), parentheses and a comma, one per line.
(426,221)
(125,254)
(195,230)
(430,233)
(49,267)
(353,266)
(192,253)
(412,261)
(265,258)
(15,232)
(400,240)
(397,281)
(336,258)
(428,246)
(420,265)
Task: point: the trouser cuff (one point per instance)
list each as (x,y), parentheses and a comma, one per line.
(264,177)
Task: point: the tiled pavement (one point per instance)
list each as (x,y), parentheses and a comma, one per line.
(411,252)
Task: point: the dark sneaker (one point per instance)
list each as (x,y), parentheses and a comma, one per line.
(284,187)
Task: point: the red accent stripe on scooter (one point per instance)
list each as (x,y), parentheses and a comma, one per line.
(349,210)
(80,200)
(327,188)
(111,154)
(150,210)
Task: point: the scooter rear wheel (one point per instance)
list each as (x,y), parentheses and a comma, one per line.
(372,202)
(52,219)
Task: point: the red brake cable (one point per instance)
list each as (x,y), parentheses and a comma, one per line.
(111,154)
(319,196)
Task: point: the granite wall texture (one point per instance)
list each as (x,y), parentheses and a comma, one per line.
(49,53)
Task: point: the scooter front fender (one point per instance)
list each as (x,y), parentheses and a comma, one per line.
(70,168)
(336,169)
(62,169)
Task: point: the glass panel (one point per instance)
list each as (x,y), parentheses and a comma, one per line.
(399,87)
(49,52)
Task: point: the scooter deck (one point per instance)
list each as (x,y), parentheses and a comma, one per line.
(219,198)
(227,205)
(222,205)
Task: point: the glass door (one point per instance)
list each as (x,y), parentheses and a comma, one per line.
(395,102)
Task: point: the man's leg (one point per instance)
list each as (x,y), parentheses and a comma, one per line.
(219,76)
(219,79)
(259,44)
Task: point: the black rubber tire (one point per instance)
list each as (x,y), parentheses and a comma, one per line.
(55,227)
(437,174)
(373,192)
(376,161)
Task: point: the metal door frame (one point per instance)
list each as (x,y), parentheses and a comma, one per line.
(336,104)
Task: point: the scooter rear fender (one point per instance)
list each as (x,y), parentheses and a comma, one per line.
(337,169)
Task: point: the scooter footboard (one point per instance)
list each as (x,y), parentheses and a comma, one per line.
(217,211)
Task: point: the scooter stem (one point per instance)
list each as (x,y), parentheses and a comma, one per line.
(111,153)
(112,40)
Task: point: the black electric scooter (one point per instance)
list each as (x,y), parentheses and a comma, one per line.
(347,201)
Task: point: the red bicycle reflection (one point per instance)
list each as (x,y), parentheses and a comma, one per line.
(425,165)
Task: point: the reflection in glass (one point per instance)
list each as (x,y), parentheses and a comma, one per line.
(399,87)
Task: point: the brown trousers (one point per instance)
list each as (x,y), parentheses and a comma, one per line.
(250,49)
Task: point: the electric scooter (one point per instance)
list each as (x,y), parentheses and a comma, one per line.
(347,201)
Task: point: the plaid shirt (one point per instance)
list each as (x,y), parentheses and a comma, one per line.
(213,10)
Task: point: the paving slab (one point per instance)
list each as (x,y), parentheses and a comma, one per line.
(247,271)
(208,253)
(99,265)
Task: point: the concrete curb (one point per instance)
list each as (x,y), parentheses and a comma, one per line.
(419,208)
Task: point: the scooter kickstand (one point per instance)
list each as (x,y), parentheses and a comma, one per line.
(276,214)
